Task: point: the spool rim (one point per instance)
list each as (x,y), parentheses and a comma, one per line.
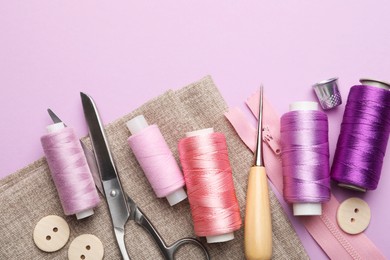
(366,81)
(325,81)
(351,187)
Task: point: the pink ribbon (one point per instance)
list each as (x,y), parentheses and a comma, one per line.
(324,229)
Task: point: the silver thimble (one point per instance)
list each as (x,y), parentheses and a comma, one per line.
(328,93)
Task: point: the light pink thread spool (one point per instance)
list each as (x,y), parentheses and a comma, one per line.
(156,160)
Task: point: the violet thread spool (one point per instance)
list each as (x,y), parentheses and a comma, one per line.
(214,206)
(305,158)
(156,160)
(363,136)
(70,171)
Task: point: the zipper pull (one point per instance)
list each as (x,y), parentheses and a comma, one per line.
(270,141)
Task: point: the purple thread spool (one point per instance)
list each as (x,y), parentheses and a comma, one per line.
(339,170)
(305,158)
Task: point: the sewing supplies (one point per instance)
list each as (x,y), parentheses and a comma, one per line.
(121,206)
(328,94)
(156,160)
(364,133)
(305,158)
(258,223)
(353,215)
(70,171)
(86,246)
(51,233)
(324,229)
(208,175)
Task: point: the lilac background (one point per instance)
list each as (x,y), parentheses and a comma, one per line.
(124,53)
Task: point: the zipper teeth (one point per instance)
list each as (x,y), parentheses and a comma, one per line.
(340,238)
(270,141)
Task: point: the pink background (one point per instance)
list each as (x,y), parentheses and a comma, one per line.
(124,53)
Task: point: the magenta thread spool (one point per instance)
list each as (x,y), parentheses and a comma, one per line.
(70,171)
(156,160)
(305,158)
(363,138)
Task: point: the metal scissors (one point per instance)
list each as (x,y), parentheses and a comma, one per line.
(122,208)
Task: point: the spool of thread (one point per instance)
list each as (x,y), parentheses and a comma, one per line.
(70,171)
(156,160)
(364,133)
(214,206)
(305,158)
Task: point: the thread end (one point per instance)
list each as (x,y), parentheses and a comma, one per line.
(204,131)
(303,105)
(307,209)
(84,214)
(351,187)
(220,238)
(55,127)
(137,124)
(176,196)
(375,83)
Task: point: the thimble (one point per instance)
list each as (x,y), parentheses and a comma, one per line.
(328,93)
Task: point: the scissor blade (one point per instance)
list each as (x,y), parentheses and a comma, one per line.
(93,167)
(120,238)
(54,117)
(99,141)
(115,197)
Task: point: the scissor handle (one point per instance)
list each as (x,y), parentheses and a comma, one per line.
(171,250)
(167,251)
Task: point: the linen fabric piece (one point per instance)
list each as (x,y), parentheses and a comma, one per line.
(29,194)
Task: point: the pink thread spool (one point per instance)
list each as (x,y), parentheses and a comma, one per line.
(72,176)
(201,189)
(156,160)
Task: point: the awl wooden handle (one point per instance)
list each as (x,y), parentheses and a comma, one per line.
(258,226)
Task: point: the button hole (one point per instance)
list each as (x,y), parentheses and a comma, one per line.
(48,237)
(55,229)
(352,220)
(82,256)
(88,247)
(356,210)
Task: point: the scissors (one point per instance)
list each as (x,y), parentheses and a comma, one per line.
(121,206)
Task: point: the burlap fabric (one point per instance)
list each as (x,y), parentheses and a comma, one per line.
(29,194)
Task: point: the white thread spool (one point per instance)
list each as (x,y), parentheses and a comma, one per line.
(306,208)
(217,238)
(136,125)
(56,128)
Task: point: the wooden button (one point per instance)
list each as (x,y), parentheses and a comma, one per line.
(51,233)
(353,215)
(86,247)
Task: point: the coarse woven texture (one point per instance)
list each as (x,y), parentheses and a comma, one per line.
(29,194)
